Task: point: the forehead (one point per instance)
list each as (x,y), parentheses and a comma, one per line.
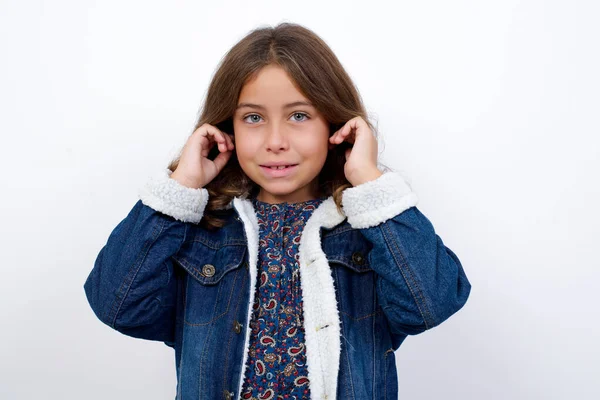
(270,87)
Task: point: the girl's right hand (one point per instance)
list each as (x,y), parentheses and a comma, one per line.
(195,170)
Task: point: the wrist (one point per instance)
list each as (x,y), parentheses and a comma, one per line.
(185,182)
(366,176)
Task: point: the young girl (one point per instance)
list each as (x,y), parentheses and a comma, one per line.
(273,254)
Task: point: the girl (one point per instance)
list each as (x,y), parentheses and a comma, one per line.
(273,254)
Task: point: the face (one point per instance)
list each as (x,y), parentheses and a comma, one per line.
(275,124)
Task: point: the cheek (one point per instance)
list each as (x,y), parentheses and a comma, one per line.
(244,150)
(319,144)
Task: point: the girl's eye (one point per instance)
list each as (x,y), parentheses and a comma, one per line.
(255,118)
(301,115)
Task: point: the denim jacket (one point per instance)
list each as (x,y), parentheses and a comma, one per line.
(370,276)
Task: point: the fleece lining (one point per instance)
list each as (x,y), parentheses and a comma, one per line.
(172,198)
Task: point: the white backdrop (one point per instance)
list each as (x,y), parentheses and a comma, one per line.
(490,109)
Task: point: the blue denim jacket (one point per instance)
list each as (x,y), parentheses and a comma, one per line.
(370,276)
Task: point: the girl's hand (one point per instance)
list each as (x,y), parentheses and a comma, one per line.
(361,158)
(195,170)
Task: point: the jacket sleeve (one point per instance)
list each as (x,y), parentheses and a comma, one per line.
(132,286)
(421,282)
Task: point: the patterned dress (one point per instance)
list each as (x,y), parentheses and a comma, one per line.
(276,364)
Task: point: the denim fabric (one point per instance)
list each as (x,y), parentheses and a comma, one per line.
(161,279)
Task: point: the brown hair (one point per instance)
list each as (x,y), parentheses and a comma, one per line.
(317,73)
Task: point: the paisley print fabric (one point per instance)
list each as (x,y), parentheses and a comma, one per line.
(276,364)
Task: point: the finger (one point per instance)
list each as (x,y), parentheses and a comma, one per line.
(335,138)
(230,141)
(332,137)
(357,124)
(345,131)
(219,138)
(225,140)
(207,141)
(221,160)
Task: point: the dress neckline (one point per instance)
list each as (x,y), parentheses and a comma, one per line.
(261,205)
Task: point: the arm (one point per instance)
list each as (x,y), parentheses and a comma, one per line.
(421,282)
(132,287)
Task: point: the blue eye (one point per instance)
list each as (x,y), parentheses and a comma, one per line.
(300,113)
(252,115)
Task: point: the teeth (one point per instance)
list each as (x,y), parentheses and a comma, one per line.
(280,167)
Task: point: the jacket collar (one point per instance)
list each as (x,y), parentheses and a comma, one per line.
(321,315)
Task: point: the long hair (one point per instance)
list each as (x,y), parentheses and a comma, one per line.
(318,74)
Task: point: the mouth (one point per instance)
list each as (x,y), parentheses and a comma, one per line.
(278,171)
(279,167)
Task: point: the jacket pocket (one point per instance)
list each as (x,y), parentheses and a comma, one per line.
(213,281)
(354,279)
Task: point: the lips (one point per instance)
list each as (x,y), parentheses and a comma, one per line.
(276,172)
(278,166)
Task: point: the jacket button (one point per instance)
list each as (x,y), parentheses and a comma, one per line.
(208,270)
(227,395)
(237,327)
(358,258)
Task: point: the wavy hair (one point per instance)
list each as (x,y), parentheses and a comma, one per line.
(318,74)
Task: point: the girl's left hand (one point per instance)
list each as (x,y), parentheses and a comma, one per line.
(361,158)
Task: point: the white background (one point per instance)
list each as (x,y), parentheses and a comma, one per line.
(489,108)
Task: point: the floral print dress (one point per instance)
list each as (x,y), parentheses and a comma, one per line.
(276,364)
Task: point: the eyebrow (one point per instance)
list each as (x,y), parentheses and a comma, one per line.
(260,107)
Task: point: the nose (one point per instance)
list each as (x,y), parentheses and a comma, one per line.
(276,139)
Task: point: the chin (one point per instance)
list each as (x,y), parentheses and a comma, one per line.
(277,190)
